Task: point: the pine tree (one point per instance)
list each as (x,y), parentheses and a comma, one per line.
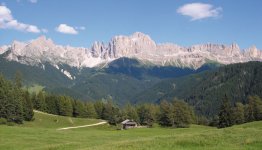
(254,109)
(107,110)
(111,113)
(91,112)
(5,103)
(238,112)
(40,102)
(79,109)
(65,106)
(51,104)
(27,106)
(258,108)
(183,114)
(99,107)
(147,114)
(17,95)
(225,114)
(166,113)
(130,113)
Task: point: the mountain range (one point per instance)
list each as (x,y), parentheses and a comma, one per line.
(138,46)
(135,69)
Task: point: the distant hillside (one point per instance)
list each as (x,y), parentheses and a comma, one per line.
(205,90)
(47,77)
(119,80)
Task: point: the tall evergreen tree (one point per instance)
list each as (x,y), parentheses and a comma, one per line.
(6,107)
(99,107)
(65,106)
(166,113)
(225,114)
(51,104)
(147,114)
(258,108)
(27,106)
(79,109)
(238,112)
(90,110)
(183,114)
(17,95)
(254,109)
(40,102)
(131,113)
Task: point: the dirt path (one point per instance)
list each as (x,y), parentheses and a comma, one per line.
(90,125)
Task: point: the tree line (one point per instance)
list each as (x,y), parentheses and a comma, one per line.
(17,104)
(175,114)
(238,113)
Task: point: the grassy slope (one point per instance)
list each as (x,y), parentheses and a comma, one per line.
(44,120)
(44,136)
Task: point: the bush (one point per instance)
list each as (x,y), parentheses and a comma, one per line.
(10,123)
(3,121)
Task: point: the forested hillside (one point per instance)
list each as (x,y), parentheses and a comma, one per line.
(205,90)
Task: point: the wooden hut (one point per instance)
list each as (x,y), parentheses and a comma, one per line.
(127,124)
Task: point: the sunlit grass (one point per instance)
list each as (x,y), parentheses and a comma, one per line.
(43,135)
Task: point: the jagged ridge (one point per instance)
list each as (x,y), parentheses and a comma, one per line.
(138,45)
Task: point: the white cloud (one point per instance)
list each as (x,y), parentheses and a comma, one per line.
(5,14)
(199,11)
(8,22)
(33,1)
(33,29)
(64,28)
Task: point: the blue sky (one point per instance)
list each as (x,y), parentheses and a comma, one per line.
(184,22)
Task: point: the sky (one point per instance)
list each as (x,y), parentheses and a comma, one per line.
(184,22)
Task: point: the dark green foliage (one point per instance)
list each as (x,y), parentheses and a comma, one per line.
(111,113)
(65,107)
(204,91)
(3,121)
(90,110)
(18,79)
(130,113)
(15,104)
(183,115)
(202,120)
(40,102)
(238,113)
(166,111)
(254,109)
(214,121)
(177,114)
(49,77)
(52,104)
(99,106)
(79,109)
(225,117)
(27,106)
(147,114)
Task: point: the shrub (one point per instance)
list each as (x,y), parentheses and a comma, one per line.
(3,121)
(10,123)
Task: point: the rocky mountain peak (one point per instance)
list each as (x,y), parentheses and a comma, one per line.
(253,52)
(234,46)
(42,42)
(137,45)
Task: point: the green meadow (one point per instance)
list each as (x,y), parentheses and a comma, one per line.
(42,134)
